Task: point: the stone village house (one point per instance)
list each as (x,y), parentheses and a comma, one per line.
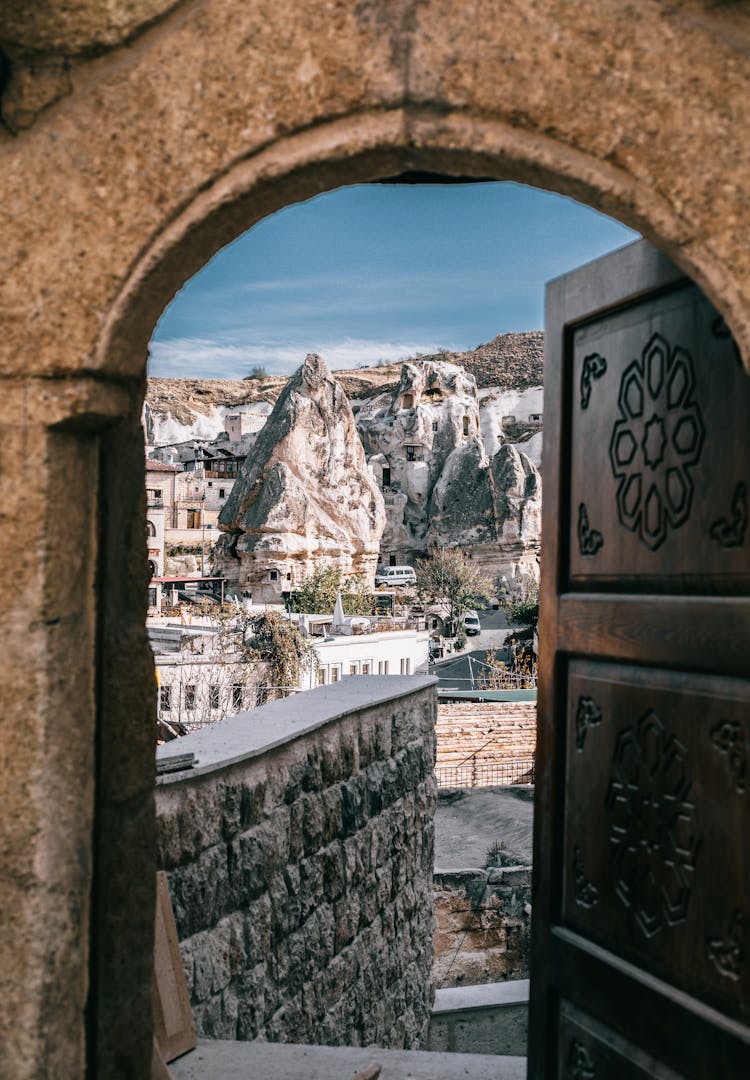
(137,140)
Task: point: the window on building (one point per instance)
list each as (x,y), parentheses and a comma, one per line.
(536,418)
(383,666)
(222,492)
(434,425)
(466,425)
(321,676)
(152,596)
(273,575)
(406,665)
(165,698)
(335,674)
(434,624)
(365,668)
(352,669)
(386,476)
(392,560)
(237,696)
(213,696)
(411,453)
(190,696)
(150,528)
(408,402)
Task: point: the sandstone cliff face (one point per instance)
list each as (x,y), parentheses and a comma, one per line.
(491,509)
(426,448)
(408,435)
(305,497)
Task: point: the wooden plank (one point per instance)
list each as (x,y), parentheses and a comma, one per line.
(696,632)
(174,1031)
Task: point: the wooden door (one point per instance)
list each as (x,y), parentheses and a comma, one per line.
(641,912)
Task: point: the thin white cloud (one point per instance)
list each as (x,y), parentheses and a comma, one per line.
(195,358)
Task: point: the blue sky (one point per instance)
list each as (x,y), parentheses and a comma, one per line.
(377,272)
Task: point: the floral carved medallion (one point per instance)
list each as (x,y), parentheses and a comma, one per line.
(652,825)
(656,441)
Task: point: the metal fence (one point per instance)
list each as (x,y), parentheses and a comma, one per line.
(477,773)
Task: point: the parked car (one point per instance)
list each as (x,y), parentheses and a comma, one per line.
(396,575)
(471,623)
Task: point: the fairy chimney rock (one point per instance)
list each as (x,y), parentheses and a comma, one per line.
(305,497)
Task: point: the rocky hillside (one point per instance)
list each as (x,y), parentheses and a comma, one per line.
(509,362)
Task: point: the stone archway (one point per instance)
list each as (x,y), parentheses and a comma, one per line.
(131,168)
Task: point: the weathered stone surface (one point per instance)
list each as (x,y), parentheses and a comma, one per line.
(77,26)
(313,923)
(492,510)
(165,151)
(305,498)
(482,925)
(443,489)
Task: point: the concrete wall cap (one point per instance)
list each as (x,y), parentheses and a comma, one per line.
(484,996)
(251,734)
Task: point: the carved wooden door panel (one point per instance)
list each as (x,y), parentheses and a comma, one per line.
(641,913)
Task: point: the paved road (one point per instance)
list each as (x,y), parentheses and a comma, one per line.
(456,671)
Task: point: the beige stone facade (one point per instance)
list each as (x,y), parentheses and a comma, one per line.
(139,138)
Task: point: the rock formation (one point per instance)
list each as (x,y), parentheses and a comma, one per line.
(442,487)
(305,497)
(491,509)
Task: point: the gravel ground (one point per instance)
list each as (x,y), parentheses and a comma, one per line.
(471,820)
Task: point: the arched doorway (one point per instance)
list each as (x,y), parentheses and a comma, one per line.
(539,1064)
(163,151)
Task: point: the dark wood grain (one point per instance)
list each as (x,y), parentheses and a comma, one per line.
(641,931)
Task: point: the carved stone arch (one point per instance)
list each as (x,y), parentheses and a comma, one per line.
(367,147)
(131,169)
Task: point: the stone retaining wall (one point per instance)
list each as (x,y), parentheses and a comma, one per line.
(482,925)
(301,876)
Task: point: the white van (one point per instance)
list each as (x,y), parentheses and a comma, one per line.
(396,575)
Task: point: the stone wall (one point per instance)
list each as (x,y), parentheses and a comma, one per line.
(482,925)
(299,856)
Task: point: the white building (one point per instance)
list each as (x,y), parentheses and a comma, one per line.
(197,686)
(394,652)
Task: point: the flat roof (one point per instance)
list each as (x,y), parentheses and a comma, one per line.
(199,578)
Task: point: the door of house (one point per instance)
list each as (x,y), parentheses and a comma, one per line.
(641,911)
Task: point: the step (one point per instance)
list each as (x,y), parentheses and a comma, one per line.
(220,1060)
